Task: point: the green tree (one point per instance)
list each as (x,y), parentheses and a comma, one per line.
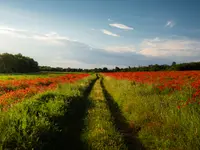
(10,63)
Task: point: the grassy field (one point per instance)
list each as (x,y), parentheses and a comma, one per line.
(30,75)
(154,117)
(46,117)
(100,132)
(99,112)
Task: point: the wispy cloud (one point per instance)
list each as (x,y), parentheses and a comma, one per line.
(13,32)
(109,33)
(121,26)
(110,19)
(156,39)
(51,37)
(59,50)
(121,49)
(45,49)
(180,47)
(5,28)
(170,24)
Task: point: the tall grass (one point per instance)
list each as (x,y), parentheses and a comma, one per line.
(29,76)
(100,132)
(37,122)
(155,116)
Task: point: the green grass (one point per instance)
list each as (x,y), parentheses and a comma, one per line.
(44,120)
(43,74)
(27,76)
(100,132)
(155,117)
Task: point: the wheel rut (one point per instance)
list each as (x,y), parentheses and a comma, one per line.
(121,124)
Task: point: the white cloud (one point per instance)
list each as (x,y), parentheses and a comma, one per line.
(51,37)
(121,49)
(121,26)
(56,50)
(109,33)
(170,24)
(156,39)
(13,32)
(170,47)
(4,28)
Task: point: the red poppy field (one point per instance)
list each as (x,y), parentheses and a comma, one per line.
(14,91)
(162,81)
(119,110)
(162,107)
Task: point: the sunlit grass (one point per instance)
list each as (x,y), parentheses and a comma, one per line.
(28,76)
(100,132)
(160,124)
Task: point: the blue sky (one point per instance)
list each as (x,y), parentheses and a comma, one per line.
(88,34)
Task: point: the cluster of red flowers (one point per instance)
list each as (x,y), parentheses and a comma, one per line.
(14,91)
(162,80)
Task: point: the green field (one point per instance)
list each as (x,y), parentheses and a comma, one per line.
(100,113)
(30,75)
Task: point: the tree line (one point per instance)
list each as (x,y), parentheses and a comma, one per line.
(156,67)
(60,69)
(18,63)
(10,63)
(173,67)
(165,67)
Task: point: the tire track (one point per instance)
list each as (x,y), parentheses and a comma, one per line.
(121,124)
(100,133)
